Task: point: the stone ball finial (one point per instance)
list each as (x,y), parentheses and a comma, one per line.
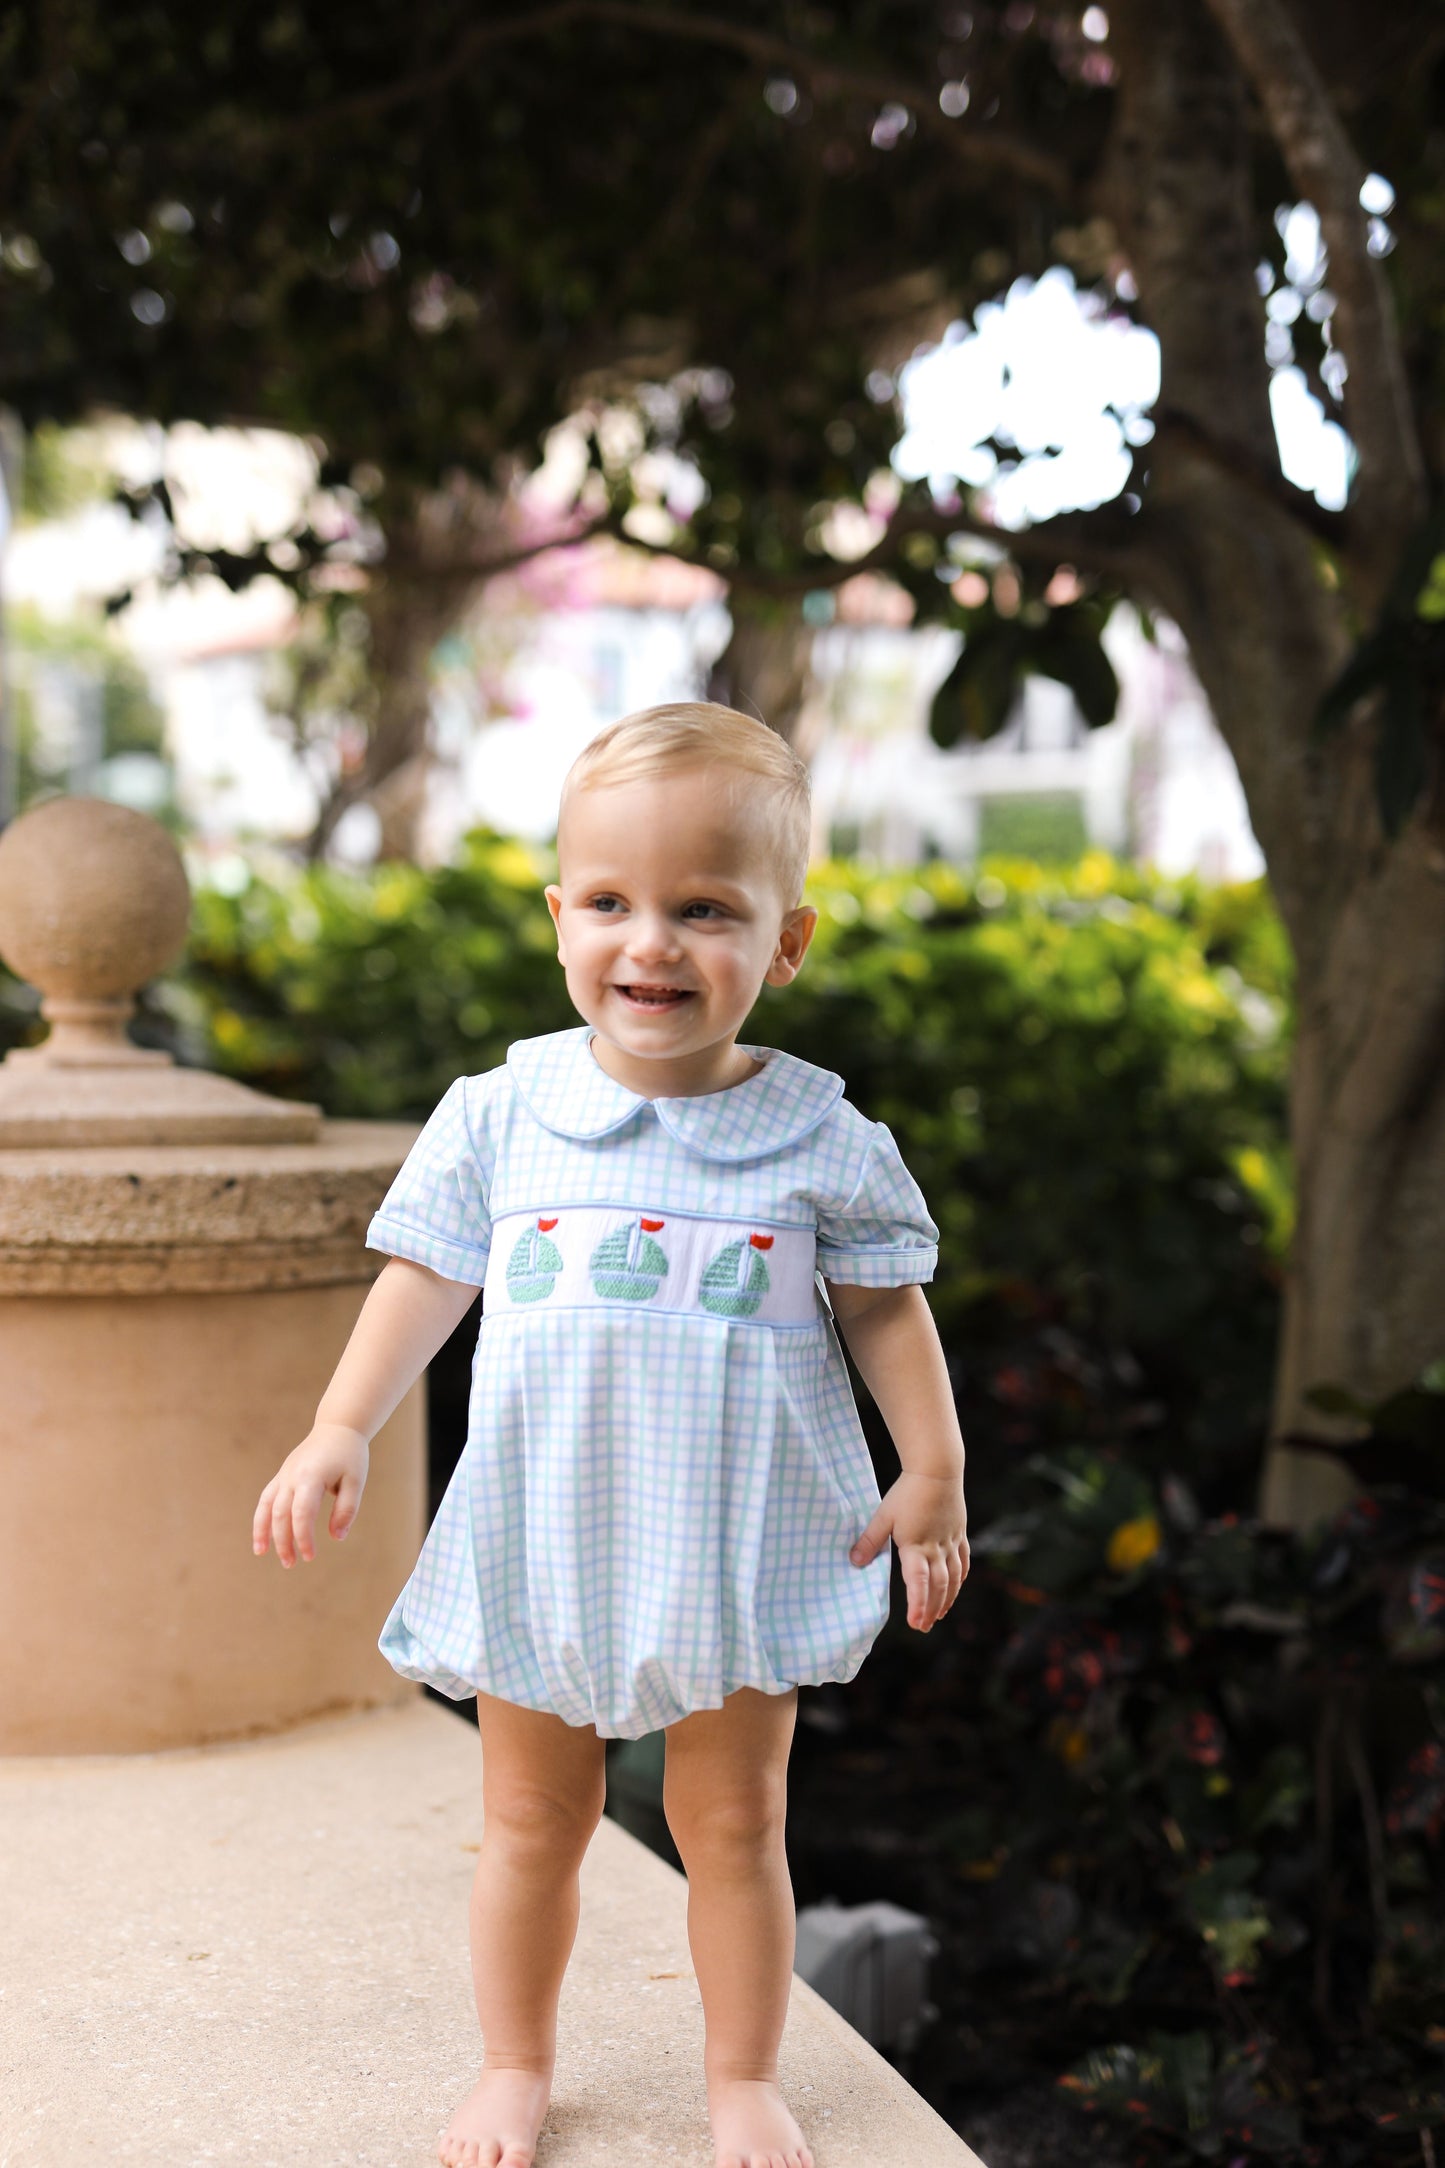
(93,903)
(94,899)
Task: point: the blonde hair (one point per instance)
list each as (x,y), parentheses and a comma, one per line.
(687,734)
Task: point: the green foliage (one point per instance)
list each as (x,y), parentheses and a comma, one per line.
(1046,826)
(1090,1094)
(1083,1066)
(1176,2087)
(82,661)
(978,695)
(1171,1786)
(370,993)
(1190,1705)
(61,471)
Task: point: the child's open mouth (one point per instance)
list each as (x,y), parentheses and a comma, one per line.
(655,998)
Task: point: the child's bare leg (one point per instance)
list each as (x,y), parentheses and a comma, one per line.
(725,1792)
(542,1793)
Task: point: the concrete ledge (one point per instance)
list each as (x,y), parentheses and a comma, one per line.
(146,1218)
(257,1954)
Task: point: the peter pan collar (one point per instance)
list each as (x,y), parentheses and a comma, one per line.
(568,1090)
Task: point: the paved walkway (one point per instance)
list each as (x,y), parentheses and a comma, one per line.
(256,1954)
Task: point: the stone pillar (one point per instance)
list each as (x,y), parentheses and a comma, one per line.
(181,1261)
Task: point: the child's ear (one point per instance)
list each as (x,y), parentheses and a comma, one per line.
(794,935)
(553,895)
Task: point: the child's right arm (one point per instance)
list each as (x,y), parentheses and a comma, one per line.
(407,1315)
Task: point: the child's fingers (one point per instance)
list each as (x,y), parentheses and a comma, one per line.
(261,1520)
(926,1580)
(343,1513)
(281,1530)
(306,1506)
(872,1540)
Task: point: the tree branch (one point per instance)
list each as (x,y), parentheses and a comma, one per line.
(1267,483)
(535,22)
(996,150)
(463,565)
(1105,541)
(1389,495)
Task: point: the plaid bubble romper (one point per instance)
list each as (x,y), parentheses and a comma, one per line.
(664,1469)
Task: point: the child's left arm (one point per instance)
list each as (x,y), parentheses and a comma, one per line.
(892,1338)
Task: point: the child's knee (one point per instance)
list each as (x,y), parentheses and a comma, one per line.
(533,1821)
(726,1823)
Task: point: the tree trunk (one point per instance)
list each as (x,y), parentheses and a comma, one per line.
(1365,1301)
(766,667)
(1237,568)
(413,598)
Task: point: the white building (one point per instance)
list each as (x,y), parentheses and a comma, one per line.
(1158,783)
(587,635)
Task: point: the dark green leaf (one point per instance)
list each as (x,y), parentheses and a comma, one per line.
(1401,751)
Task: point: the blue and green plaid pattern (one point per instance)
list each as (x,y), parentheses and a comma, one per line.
(652,1509)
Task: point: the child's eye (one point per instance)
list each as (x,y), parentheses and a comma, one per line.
(703,907)
(601,903)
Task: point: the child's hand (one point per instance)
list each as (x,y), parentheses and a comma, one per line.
(926,1518)
(333,1459)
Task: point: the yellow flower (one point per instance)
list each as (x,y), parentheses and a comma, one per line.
(1069,1741)
(1132,1542)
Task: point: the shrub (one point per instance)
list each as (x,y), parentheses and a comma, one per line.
(1084,1068)
(1172,1788)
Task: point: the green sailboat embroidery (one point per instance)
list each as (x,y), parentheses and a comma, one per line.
(534,1264)
(627,1265)
(736,1280)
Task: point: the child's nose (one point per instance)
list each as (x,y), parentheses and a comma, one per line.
(651,934)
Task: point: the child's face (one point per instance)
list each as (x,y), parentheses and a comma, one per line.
(668,912)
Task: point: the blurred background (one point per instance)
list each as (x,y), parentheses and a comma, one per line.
(1034,412)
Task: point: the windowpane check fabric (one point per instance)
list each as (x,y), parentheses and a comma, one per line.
(655,1503)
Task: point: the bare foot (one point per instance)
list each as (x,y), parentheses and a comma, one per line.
(496,2125)
(751,2125)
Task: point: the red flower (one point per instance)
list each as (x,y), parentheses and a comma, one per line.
(1203,1738)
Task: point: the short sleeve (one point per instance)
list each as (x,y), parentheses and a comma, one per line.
(435,1212)
(883,1236)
